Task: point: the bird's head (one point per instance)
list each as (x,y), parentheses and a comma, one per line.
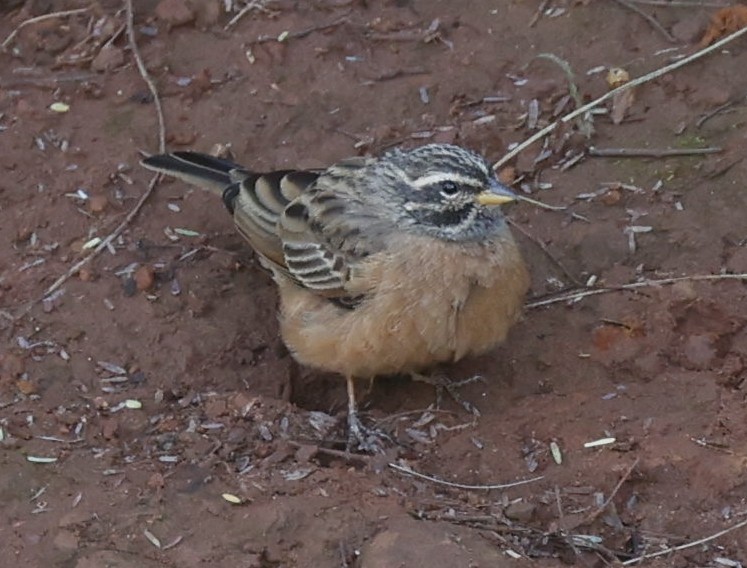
(443,191)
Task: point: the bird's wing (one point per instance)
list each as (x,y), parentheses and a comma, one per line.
(323,242)
(255,200)
(307,231)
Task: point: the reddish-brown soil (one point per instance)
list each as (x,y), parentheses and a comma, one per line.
(191,319)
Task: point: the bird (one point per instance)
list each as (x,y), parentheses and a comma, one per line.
(384,265)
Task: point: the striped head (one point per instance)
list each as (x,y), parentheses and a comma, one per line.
(440,190)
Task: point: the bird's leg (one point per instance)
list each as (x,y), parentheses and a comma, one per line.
(358,434)
(442,383)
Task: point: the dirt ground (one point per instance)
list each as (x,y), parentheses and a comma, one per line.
(149,413)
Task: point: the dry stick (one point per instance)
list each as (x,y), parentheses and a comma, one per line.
(684,546)
(651,152)
(146,76)
(347,456)
(101,246)
(545,250)
(302,33)
(681,3)
(50,16)
(253,5)
(151,186)
(567,296)
(719,109)
(629,85)
(649,18)
(625,476)
(413,473)
(538,13)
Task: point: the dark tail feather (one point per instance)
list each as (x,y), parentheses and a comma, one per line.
(195,168)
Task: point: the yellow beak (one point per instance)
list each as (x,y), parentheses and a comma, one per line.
(498,194)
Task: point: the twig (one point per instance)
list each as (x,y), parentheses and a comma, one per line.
(545,250)
(650,152)
(579,294)
(625,476)
(549,207)
(347,456)
(538,13)
(649,18)
(253,5)
(719,109)
(413,473)
(629,85)
(41,18)
(151,186)
(681,3)
(146,77)
(285,36)
(685,546)
(48,81)
(102,245)
(585,124)
(541,204)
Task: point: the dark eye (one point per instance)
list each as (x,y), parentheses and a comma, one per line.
(449,189)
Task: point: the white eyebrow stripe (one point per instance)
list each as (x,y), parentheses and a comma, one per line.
(433,179)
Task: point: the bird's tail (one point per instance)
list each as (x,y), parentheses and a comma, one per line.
(198,169)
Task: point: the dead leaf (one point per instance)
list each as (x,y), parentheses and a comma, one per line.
(621,103)
(724,22)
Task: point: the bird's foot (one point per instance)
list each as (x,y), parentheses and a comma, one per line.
(442,383)
(362,438)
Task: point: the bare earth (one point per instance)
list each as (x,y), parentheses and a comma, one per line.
(155,379)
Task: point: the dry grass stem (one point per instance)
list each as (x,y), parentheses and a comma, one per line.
(106,243)
(629,85)
(579,294)
(649,18)
(146,76)
(687,545)
(41,18)
(651,152)
(413,473)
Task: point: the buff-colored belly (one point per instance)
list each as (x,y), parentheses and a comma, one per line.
(435,306)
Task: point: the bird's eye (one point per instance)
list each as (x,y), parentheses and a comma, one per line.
(449,189)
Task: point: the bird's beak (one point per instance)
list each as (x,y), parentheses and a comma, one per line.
(497,194)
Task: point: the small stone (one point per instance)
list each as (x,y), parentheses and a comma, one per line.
(612,197)
(520,511)
(109,57)
(109,427)
(156,481)
(175,12)
(97,203)
(144,278)
(26,387)
(86,275)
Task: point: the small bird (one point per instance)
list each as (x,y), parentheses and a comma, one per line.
(384,266)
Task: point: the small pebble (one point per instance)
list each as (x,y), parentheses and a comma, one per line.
(144,278)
